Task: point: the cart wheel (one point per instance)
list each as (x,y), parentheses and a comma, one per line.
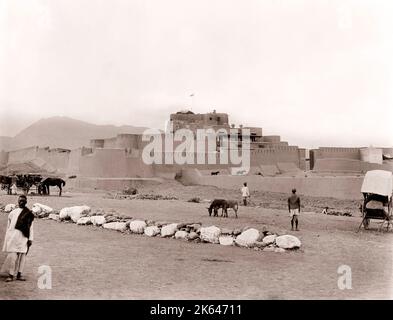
(366,223)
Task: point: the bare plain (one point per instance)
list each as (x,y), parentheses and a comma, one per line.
(93,263)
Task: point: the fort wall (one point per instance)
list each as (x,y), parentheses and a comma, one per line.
(348,165)
(112,163)
(273,139)
(372,155)
(22,155)
(74,159)
(271,156)
(110,143)
(54,157)
(333,152)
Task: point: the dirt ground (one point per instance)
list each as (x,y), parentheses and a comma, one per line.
(92,263)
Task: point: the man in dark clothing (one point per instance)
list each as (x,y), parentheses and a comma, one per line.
(18,239)
(294,208)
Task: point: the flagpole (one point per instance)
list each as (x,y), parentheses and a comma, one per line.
(192,101)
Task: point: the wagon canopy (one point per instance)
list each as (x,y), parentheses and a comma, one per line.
(378,182)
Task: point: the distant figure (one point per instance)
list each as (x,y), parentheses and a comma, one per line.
(241,172)
(294,208)
(129,191)
(14,189)
(245,193)
(325,210)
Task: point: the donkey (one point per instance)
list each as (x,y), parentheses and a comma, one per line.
(231,204)
(52,182)
(215,205)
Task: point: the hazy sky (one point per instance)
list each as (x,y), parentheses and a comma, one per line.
(317,72)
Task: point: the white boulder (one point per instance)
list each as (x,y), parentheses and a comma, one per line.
(210,234)
(248,238)
(78,212)
(36,210)
(43,208)
(118,226)
(64,214)
(181,235)
(75,216)
(279,250)
(54,216)
(84,220)
(137,226)
(259,244)
(152,231)
(98,220)
(288,242)
(226,240)
(226,231)
(192,235)
(9,207)
(74,213)
(269,239)
(168,230)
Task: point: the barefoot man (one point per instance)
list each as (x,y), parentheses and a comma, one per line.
(18,239)
(294,208)
(245,193)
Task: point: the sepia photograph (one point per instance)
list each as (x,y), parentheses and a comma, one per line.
(194,150)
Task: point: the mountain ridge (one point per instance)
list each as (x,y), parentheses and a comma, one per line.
(63,132)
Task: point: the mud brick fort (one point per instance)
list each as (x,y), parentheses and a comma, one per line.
(114,162)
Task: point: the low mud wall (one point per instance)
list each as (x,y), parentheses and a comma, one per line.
(111,183)
(334,187)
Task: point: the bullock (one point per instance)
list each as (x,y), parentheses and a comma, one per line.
(26,181)
(31,180)
(6,183)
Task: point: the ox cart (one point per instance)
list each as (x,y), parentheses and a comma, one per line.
(20,181)
(377,190)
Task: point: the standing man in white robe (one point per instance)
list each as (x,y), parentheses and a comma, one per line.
(18,239)
(245,193)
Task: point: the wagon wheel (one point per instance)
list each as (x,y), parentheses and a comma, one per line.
(366,223)
(389,216)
